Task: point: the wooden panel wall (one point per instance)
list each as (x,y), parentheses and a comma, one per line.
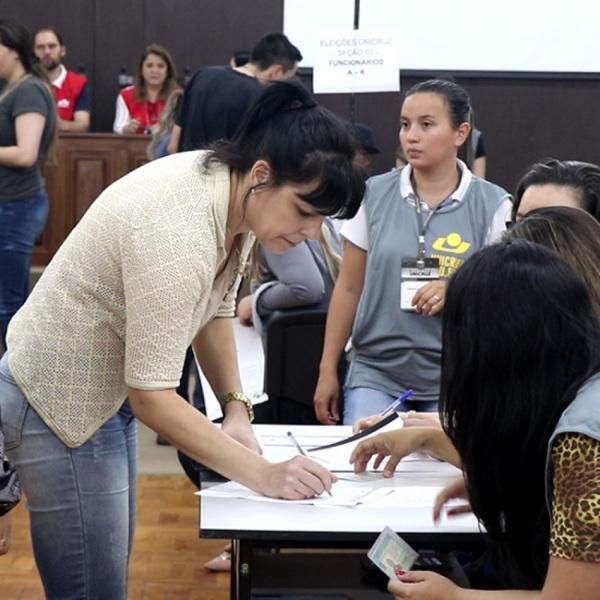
(523,119)
(105,35)
(85,165)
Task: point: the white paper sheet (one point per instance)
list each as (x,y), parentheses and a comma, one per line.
(343,494)
(277,447)
(251,361)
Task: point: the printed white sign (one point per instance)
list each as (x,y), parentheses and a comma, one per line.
(357,61)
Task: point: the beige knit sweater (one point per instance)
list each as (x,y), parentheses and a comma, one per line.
(125,295)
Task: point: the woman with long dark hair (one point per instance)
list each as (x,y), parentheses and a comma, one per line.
(27,129)
(154,266)
(506,384)
(520,402)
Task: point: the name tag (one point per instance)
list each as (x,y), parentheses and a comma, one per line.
(415,273)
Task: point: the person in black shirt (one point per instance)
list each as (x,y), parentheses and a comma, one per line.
(216,98)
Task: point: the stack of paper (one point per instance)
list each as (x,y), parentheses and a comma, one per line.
(342,495)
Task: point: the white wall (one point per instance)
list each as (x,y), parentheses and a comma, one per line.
(464,35)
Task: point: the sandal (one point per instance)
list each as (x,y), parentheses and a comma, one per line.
(222,562)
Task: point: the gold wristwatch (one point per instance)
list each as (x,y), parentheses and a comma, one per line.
(238,397)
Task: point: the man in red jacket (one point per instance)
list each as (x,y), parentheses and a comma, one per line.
(71,90)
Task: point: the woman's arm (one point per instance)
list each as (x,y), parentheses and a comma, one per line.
(215,350)
(565,579)
(214,346)
(574,567)
(340,318)
(298,281)
(173,146)
(191,432)
(29,128)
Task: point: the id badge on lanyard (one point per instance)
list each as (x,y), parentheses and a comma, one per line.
(420,270)
(416,273)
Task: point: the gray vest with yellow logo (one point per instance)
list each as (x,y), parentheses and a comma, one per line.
(393,349)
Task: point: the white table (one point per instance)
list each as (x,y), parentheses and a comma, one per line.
(253,524)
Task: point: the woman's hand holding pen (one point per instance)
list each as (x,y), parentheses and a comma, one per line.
(297,479)
(409,419)
(132,126)
(367,422)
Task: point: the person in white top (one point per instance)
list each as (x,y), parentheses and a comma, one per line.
(153,266)
(415,228)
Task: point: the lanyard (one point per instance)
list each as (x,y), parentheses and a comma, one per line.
(423,226)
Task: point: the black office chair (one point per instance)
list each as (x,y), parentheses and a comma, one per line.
(293,346)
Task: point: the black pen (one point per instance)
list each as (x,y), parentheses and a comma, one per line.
(301,450)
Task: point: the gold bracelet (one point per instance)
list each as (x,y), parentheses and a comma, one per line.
(238,397)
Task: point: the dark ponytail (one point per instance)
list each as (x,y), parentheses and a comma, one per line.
(276,99)
(302,142)
(15,36)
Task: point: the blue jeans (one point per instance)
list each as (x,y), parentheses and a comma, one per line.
(360,402)
(21,223)
(81,500)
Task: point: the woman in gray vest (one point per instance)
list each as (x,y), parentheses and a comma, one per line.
(550,183)
(520,399)
(416,226)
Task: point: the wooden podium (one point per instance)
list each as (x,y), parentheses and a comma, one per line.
(85,164)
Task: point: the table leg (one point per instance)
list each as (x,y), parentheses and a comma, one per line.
(241,570)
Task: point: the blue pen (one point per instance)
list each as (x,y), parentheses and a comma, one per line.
(301,450)
(397,402)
